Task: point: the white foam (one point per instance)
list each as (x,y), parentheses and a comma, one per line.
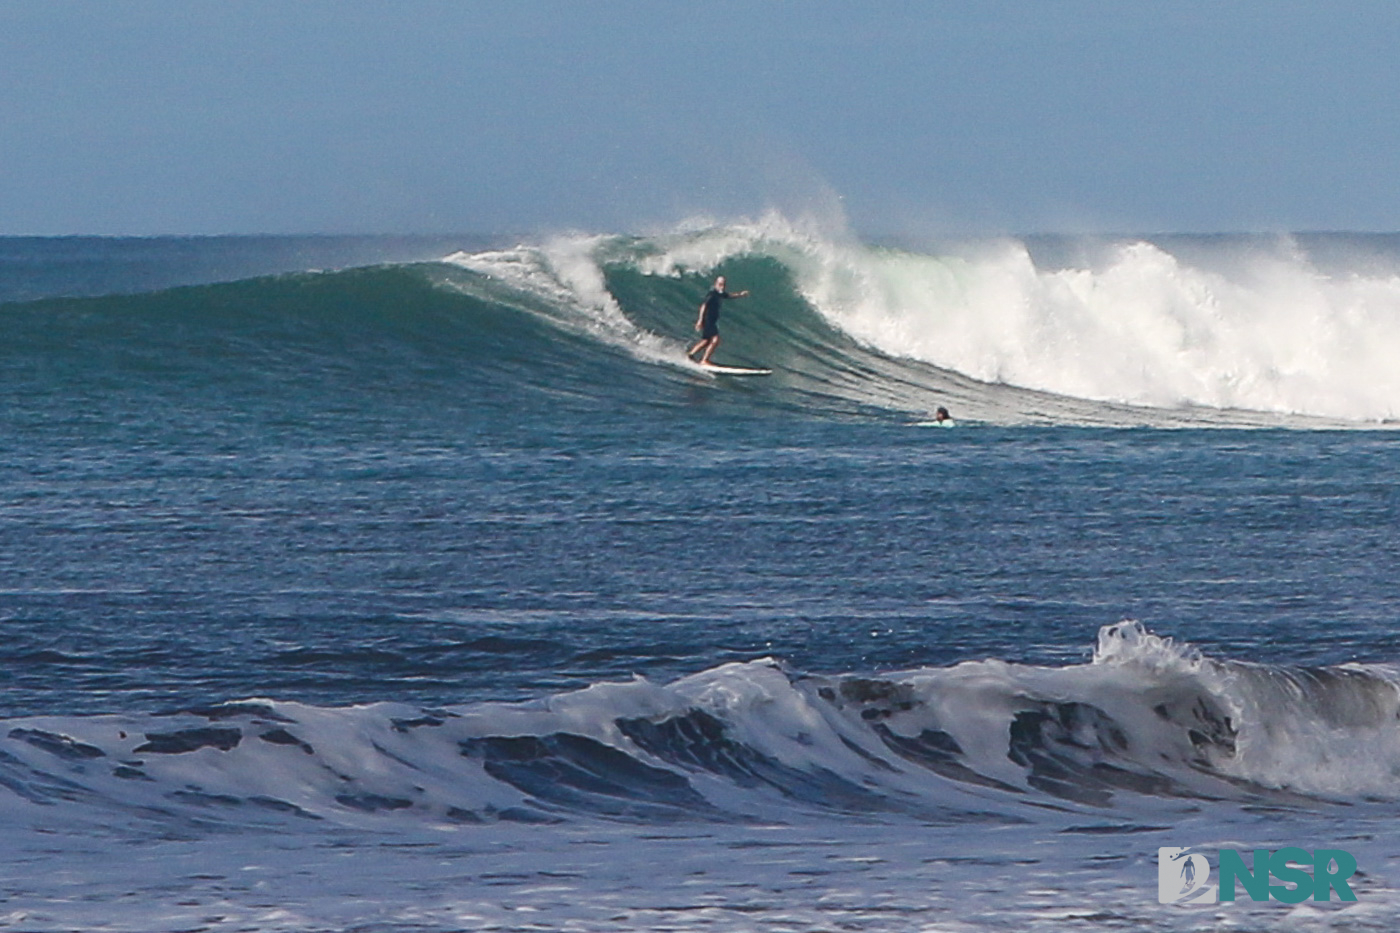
(565,277)
(1333,732)
(1130,643)
(1145,705)
(1272,334)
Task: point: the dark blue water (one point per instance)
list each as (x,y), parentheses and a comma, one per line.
(507,561)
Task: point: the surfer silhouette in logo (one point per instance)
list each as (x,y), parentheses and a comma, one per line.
(1188,876)
(708,321)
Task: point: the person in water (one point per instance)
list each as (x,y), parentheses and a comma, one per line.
(942,415)
(708,321)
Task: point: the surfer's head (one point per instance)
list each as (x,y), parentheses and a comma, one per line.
(941,414)
(719,283)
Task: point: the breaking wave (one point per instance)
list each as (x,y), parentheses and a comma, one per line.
(1148,726)
(1172,332)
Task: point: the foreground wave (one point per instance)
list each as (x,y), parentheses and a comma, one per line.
(1147,727)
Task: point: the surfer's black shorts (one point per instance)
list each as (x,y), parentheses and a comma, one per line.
(709,326)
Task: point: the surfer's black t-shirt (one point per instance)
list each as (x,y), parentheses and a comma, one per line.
(710,318)
(712,302)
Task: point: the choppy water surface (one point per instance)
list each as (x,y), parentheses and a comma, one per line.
(453,585)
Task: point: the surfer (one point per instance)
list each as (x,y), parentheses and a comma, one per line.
(708,321)
(941,416)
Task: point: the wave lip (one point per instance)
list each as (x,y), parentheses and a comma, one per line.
(1149,726)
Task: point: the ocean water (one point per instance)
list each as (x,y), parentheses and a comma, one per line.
(423,584)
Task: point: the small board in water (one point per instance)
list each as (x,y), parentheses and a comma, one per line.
(734,370)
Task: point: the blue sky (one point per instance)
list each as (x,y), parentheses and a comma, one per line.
(978,116)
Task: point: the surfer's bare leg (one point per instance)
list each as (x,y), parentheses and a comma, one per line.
(707,344)
(709,351)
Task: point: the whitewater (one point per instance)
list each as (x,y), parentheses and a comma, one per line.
(406,584)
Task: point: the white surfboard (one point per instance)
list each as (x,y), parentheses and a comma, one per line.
(733,370)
